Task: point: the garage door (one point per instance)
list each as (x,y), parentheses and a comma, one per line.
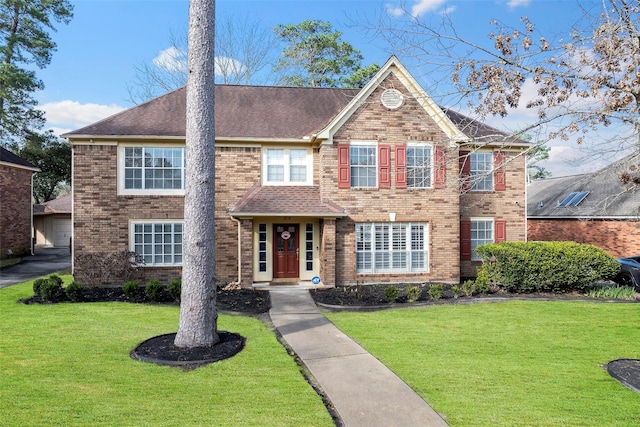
(61,232)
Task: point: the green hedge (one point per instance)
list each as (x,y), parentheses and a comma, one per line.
(545,266)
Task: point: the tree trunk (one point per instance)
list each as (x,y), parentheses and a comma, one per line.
(198,315)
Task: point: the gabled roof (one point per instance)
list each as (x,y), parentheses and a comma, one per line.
(607,196)
(287,201)
(61,205)
(10,159)
(482,133)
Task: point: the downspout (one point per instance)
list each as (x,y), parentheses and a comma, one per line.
(237,282)
(33,234)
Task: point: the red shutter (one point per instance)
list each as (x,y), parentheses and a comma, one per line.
(440,165)
(384,166)
(465,240)
(465,170)
(344,166)
(500,232)
(499,173)
(401,166)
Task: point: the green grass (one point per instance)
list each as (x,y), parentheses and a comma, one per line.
(69,365)
(509,364)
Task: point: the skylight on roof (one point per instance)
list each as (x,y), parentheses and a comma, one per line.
(573,199)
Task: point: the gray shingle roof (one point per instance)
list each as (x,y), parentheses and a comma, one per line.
(608,197)
(8,157)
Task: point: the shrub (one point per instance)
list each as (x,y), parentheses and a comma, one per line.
(482,284)
(456,291)
(56,279)
(613,292)
(413,293)
(51,291)
(546,266)
(74,291)
(468,287)
(154,290)
(175,288)
(130,290)
(37,284)
(391,293)
(436,291)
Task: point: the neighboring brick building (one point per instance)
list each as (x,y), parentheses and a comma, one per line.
(352,186)
(16,190)
(596,208)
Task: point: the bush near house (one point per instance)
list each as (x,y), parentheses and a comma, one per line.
(545,266)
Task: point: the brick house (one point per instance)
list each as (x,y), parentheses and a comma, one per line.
(16,191)
(367,185)
(596,208)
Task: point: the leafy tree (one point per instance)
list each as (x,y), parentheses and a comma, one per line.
(53,156)
(198,315)
(583,83)
(25,40)
(243,49)
(535,155)
(316,57)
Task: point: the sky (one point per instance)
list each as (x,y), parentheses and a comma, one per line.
(93,68)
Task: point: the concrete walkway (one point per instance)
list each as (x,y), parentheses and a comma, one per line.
(363,391)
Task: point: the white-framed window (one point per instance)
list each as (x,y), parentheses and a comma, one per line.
(481,171)
(419,165)
(287,166)
(363,159)
(158,243)
(482,232)
(151,170)
(392,247)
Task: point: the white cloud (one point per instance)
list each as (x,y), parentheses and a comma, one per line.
(67,115)
(419,8)
(515,3)
(171,59)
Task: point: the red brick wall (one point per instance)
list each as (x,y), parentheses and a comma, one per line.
(619,238)
(15,210)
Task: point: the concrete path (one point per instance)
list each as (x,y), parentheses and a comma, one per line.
(364,392)
(44,262)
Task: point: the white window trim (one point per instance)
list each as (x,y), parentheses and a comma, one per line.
(475,257)
(132,242)
(144,192)
(364,143)
(432,165)
(490,173)
(287,165)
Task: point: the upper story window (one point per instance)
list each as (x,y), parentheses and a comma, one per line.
(481,171)
(156,170)
(284,166)
(363,165)
(419,166)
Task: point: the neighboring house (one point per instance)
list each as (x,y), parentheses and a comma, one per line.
(16,192)
(351,186)
(52,222)
(596,208)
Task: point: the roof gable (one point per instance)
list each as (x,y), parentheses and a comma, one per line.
(10,159)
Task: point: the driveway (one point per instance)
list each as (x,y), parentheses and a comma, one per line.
(45,261)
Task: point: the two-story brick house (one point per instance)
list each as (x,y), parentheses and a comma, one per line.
(16,198)
(372,185)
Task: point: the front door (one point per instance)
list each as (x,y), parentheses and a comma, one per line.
(286,251)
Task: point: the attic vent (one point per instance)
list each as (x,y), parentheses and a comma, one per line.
(391,98)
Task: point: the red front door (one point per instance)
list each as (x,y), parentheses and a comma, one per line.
(286,251)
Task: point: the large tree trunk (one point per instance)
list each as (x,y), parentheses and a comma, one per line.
(198,316)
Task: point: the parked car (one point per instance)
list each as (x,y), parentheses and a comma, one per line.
(630,271)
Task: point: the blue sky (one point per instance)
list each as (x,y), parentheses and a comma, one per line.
(97,52)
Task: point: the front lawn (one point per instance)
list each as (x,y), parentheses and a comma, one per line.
(515,363)
(68,364)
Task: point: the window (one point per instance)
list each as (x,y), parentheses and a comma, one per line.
(419,166)
(363,166)
(391,247)
(286,166)
(481,171)
(481,233)
(158,243)
(148,168)
(308,249)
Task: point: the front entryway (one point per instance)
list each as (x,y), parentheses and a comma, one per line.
(286,251)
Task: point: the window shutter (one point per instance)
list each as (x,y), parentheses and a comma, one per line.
(465,240)
(499,173)
(500,232)
(344,166)
(440,165)
(465,170)
(384,166)
(401,166)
